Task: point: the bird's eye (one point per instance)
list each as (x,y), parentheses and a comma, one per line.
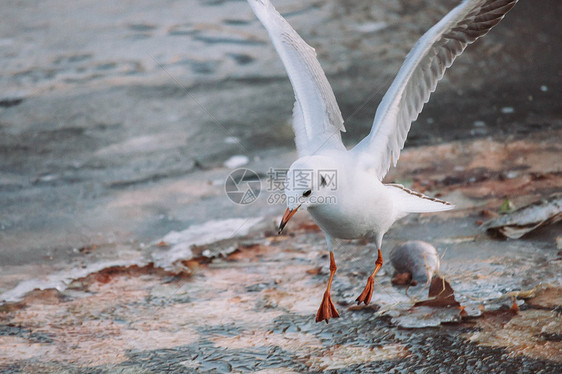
(307,193)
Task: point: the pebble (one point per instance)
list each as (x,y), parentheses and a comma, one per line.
(236,161)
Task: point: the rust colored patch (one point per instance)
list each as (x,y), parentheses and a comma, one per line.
(314,271)
(192,265)
(103,277)
(496,318)
(522,333)
(45,297)
(402,279)
(487,214)
(514,307)
(6,309)
(250,253)
(309,226)
(546,297)
(373,307)
(107,274)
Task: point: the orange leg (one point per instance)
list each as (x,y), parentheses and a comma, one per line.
(327,309)
(367,293)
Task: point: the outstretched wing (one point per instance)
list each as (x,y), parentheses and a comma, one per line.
(424,66)
(317,120)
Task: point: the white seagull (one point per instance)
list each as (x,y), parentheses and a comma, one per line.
(341,188)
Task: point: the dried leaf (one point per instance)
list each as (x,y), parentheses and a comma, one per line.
(524,220)
(441,294)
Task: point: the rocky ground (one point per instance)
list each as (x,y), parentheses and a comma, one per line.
(119,251)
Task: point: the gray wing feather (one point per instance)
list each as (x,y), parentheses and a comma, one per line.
(424,66)
(317,120)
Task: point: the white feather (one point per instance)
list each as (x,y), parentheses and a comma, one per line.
(408,201)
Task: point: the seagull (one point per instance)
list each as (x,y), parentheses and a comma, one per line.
(342,189)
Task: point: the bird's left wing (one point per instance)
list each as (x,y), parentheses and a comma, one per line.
(317,120)
(424,66)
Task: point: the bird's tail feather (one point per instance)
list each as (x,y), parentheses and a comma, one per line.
(408,201)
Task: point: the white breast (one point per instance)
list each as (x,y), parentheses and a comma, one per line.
(361,210)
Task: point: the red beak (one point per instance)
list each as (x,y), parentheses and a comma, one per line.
(286,217)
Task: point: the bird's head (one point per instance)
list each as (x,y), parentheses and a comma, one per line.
(311,181)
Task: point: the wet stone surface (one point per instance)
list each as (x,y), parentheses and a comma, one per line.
(254,310)
(114,139)
(231,296)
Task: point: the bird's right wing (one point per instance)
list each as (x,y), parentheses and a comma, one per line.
(425,65)
(317,120)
